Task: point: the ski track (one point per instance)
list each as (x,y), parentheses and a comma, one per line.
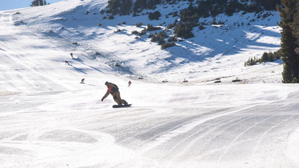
(185,132)
(184,127)
(255,149)
(188,135)
(23,62)
(189,143)
(217,132)
(237,137)
(168,126)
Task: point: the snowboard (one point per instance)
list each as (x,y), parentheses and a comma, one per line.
(120,106)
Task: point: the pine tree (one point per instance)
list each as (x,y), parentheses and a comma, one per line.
(264,57)
(126,6)
(294,80)
(269,4)
(288,45)
(114,5)
(295,30)
(38,3)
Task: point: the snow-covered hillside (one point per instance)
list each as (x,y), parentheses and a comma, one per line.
(49,119)
(216,52)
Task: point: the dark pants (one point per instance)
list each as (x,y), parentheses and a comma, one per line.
(117,99)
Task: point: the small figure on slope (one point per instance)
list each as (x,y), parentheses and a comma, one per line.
(129,83)
(114,91)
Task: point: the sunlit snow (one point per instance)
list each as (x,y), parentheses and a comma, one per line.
(49,119)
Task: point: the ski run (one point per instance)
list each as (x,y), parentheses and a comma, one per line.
(49,119)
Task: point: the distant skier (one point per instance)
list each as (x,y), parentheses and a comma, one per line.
(129,83)
(66,62)
(82,81)
(114,91)
(72,55)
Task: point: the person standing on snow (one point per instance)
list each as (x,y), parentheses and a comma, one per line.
(114,91)
(129,83)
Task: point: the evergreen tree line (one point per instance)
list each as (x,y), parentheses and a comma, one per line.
(125,7)
(196,9)
(202,8)
(266,57)
(39,3)
(289,40)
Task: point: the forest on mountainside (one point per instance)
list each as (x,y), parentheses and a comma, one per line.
(203,8)
(189,16)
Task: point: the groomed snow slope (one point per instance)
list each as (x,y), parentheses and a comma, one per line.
(49,119)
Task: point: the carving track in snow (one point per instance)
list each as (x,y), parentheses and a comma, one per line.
(224,137)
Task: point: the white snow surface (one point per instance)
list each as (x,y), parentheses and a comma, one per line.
(49,119)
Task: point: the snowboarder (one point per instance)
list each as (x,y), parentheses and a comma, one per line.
(113,90)
(72,55)
(82,81)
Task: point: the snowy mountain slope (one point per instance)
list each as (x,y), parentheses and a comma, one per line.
(211,50)
(49,119)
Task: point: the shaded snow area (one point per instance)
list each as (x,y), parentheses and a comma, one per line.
(49,119)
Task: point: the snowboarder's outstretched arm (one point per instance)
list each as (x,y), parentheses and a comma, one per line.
(107,93)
